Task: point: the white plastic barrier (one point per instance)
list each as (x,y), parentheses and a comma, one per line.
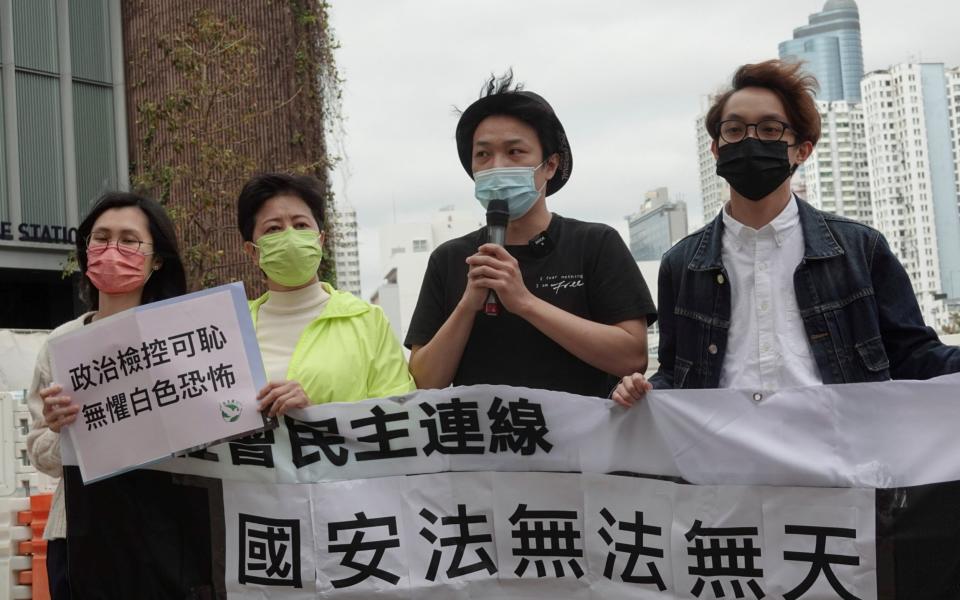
(19,350)
(17,475)
(11,535)
(18,480)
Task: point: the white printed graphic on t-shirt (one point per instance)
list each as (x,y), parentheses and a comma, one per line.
(559,282)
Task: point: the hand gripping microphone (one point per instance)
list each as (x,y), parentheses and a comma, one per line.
(497,217)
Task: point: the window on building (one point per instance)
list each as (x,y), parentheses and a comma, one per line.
(43,137)
(39,134)
(93,124)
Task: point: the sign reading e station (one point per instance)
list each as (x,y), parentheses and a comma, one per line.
(38,232)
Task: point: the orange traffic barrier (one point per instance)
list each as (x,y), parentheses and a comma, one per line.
(40,510)
(36,547)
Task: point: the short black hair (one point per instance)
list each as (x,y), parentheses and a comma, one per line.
(265,186)
(533,114)
(168,281)
(501,96)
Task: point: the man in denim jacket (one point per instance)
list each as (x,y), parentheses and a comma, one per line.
(774,293)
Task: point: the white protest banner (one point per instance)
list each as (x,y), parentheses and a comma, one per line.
(498,492)
(546,535)
(856,435)
(160,379)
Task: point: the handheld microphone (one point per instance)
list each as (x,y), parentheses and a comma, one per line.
(497,217)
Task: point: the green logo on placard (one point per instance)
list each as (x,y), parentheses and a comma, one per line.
(230,410)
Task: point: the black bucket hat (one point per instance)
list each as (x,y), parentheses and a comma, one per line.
(529,108)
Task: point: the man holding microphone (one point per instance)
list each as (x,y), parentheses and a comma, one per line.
(571,309)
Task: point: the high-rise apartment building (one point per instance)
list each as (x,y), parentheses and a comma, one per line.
(913,171)
(346,250)
(836,178)
(953,98)
(714,190)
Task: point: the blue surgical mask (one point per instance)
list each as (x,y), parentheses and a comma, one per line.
(515,185)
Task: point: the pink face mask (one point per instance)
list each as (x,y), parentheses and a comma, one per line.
(113,272)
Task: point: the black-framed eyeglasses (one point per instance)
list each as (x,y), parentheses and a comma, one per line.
(126,245)
(770,130)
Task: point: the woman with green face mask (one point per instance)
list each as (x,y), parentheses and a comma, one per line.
(318,344)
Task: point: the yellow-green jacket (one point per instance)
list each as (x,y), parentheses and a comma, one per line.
(347,353)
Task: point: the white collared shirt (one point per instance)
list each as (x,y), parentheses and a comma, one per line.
(767,347)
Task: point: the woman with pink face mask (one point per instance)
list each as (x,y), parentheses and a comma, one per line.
(128,256)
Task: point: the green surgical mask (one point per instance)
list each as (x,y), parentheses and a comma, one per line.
(290,257)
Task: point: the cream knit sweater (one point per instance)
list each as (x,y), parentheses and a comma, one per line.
(43,444)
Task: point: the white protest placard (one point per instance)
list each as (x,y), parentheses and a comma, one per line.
(161,379)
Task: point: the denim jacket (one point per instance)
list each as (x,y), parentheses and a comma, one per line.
(858,307)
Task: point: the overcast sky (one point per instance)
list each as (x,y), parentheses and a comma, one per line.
(626,78)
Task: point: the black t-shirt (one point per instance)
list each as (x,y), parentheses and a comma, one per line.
(583,268)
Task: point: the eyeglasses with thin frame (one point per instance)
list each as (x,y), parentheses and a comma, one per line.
(769,130)
(126,245)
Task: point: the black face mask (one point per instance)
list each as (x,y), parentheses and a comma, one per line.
(754,168)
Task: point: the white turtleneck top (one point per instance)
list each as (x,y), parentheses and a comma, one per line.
(280,322)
